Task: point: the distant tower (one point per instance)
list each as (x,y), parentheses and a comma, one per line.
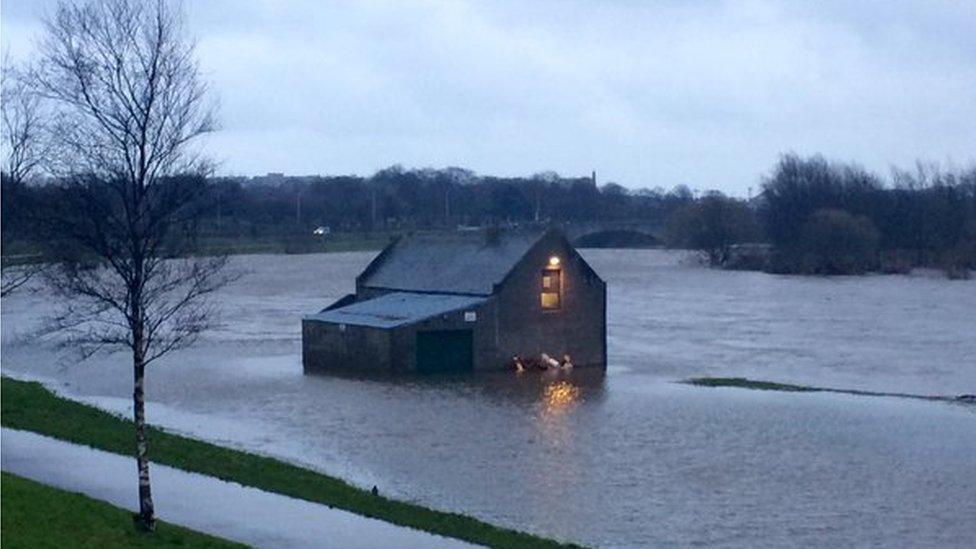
(593,177)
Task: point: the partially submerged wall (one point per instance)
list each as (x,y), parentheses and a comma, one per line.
(327,346)
(480,320)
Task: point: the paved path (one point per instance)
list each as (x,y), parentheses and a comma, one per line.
(203,503)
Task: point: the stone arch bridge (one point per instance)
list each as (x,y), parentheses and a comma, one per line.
(612,234)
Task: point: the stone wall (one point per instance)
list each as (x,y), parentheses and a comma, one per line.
(327,346)
(577,328)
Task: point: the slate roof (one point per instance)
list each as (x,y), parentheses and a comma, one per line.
(396,309)
(457,264)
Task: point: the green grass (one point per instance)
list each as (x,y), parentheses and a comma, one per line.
(29,406)
(24,252)
(744,383)
(294,244)
(35,515)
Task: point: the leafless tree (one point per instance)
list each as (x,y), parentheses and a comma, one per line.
(24,149)
(128,103)
(712,224)
(23,138)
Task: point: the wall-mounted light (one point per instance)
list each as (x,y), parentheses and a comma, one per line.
(554,261)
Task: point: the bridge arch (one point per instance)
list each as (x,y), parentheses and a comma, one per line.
(616,238)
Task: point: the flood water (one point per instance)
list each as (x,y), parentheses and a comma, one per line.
(630,458)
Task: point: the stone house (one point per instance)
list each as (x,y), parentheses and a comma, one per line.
(464,302)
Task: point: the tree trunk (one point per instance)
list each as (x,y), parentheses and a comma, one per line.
(146,518)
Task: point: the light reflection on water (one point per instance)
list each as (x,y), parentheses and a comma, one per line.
(621,458)
(558,397)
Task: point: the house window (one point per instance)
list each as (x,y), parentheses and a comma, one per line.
(551,296)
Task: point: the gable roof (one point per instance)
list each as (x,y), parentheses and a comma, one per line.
(396,309)
(467,264)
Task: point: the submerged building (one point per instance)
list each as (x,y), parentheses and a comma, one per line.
(464,302)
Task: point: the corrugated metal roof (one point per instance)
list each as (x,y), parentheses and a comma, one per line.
(396,309)
(463,264)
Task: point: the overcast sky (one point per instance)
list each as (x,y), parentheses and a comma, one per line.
(648,94)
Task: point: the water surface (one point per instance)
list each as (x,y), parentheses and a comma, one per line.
(629,458)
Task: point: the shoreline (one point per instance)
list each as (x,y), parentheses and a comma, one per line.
(32,407)
(762,385)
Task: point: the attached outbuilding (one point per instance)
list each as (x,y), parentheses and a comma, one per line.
(464,302)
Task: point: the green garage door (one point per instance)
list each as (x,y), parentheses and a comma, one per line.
(444,351)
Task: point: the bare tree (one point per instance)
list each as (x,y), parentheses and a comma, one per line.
(24,149)
(24,146)
(713,224)
(128,102)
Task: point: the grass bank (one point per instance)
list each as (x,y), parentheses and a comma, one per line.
(744,383)
(294,244)
(29,406)
(24,253)
(36,515)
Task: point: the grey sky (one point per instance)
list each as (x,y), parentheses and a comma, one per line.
(647,93)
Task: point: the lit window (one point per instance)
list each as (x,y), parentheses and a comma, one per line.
(551,288)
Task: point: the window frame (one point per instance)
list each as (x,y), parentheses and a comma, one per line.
(554,273)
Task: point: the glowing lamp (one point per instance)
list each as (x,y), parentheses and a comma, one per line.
(553,261)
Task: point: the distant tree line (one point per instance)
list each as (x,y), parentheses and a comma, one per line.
(392,199)
(823,217)
(832,217)
(812,216)
(402,199)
